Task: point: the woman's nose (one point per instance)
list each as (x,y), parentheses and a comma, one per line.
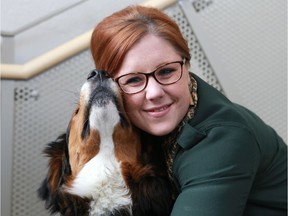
(154,90)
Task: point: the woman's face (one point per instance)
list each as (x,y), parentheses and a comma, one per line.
(157,109)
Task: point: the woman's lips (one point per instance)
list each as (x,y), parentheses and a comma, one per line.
(159,111)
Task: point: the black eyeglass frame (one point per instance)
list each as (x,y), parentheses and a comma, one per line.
(147,75)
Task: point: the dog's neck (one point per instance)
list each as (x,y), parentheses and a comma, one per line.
(100,178)
(101,181)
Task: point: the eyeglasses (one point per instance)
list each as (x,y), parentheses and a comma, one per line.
(166,74)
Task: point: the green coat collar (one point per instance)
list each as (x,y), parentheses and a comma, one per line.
(190,136)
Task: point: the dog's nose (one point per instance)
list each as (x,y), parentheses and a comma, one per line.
(92,74)
(97,74)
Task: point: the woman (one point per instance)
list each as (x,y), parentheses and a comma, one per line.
(225,160)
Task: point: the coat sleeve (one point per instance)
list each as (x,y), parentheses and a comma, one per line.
(216,174)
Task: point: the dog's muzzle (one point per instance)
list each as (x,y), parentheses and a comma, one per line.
(102,88)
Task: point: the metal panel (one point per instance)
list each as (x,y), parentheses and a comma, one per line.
(245,42)
(200,64)
(7,119)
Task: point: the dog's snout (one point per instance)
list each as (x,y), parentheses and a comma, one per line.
(98,75)
(99,89)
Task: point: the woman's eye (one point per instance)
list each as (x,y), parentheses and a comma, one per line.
(134,80)
(165,72)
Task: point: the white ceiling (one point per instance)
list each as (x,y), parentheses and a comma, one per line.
(18,13)
(43,35)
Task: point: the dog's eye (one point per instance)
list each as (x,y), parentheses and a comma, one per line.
(86,129)
(76,111)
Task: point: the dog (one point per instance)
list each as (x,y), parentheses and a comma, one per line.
(100,165)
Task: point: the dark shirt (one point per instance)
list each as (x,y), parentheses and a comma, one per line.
(229,163)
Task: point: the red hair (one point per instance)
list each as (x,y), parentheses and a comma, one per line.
(113,37)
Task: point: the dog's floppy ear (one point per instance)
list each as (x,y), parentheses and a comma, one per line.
(58,170)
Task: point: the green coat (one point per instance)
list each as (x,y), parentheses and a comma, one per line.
(230,163)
